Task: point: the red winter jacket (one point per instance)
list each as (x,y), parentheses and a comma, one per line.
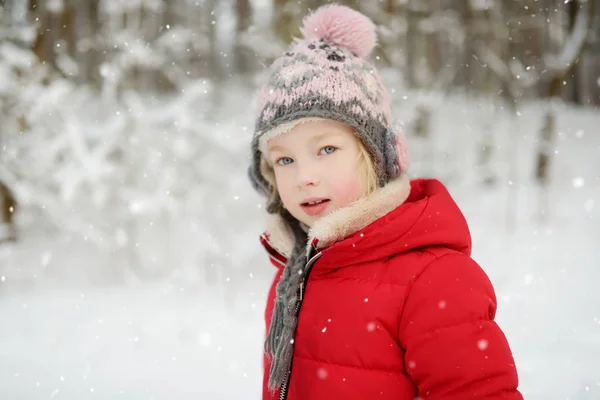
(394,307)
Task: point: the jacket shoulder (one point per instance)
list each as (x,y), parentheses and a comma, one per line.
(416,261)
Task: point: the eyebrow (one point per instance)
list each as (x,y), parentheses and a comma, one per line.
(323,135)
(275,148)
(313,139)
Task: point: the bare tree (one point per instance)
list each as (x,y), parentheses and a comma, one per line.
(214,64)
(245,60)
(549,81)
(44,22)
(8,209)
(559,67)
(586,70)
(485,26)
(433,38)
(288,15)
(90,46)
(391,21)
(512,80)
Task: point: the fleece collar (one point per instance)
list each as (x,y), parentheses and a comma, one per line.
(341,223)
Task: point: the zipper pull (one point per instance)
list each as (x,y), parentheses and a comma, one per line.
(301,296)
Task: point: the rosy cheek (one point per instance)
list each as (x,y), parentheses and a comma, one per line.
(347,192)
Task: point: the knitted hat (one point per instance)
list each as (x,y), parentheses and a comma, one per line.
(326,74)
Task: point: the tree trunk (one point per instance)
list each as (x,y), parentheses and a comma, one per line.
(547,134)
(90,56)
(422,54)
(283,20)
(9,205)
(573,81)
(169,15)
(513,167)
(243,56)
(43,44)
(355,4)
(555,87)
(422,132)
(288,15)
(565,63)
(214,64)
(587,79)
(68,28)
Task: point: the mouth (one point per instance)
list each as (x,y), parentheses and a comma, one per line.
(314,202)
(314,207)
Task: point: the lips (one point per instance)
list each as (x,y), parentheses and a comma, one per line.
(314,206)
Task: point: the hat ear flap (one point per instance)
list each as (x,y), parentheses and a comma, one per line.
(258,182)
(397,161)
(263,182)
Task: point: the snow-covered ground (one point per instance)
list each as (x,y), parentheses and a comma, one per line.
(67,334)
(150,342)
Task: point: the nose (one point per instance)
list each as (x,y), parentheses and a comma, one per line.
(307,175)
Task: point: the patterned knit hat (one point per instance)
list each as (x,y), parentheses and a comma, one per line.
(326,74)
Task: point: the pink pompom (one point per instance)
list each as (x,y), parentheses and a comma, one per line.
(343,27)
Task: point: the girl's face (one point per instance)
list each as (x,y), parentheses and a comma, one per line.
(317,168)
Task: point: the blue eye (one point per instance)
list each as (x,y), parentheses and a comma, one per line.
(284,161)
(328,149)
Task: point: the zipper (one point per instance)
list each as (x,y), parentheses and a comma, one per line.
(301,290)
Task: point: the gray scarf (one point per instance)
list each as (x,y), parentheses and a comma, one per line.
(279,342)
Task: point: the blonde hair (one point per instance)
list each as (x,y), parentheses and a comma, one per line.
(370,181)
(368,178)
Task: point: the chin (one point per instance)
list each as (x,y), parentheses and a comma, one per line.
(308,222)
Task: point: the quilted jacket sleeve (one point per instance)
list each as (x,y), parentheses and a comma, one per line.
(454,348)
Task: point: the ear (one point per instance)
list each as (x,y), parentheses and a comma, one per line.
(402,149)
(397,161)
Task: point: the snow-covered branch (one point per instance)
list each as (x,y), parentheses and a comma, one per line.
(493,61)
(561,63)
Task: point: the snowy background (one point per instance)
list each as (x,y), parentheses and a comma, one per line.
(132,267)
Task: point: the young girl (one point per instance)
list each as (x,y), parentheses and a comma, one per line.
(376,295)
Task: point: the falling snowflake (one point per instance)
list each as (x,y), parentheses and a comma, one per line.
(322,373)
(589,205)
(482,344)
(578,182)
(205,339)
(46,258)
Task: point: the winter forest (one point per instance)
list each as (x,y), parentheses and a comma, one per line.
(130,262)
